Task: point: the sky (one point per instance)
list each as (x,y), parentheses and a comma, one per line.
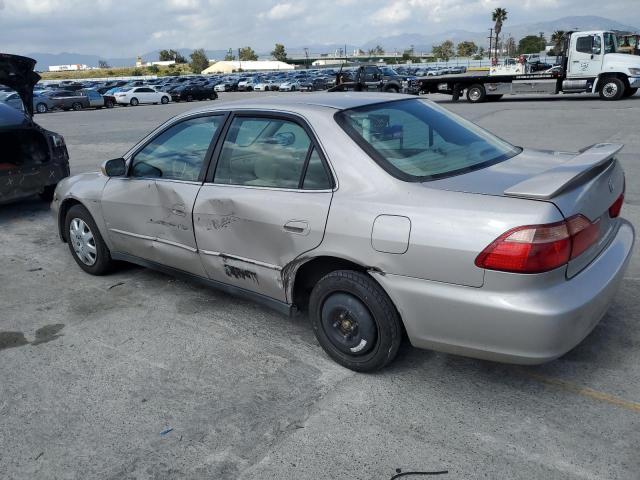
(124,28)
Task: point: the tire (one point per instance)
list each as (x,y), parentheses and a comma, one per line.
(41,108)
(493,98)
(612,89)
(47,193)
(630,92)
(108,104)
(134,102)
(214,96)
(392,90)
(101,256)
(476,93)
(76,106)
(164,100)
(354,321)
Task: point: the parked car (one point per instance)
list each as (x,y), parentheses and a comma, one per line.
(96,100)
(438,229)
(137,95)
(265,86)
(32,160)
(42,103)
(67,99)
(289,86)
(11,99)
(223,87)
(190,93)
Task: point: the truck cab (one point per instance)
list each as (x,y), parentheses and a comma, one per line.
(594,61)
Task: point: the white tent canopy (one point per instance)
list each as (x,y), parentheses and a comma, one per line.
(229,66)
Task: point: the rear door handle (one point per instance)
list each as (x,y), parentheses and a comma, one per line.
(178,210)
(299,227)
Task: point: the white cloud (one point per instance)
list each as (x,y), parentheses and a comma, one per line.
(282,11)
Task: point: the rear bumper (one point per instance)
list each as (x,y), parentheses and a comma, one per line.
(507,322)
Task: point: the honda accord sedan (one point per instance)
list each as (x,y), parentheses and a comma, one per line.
(380,215)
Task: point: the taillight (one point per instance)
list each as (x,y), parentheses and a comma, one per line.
(540,248)
(614,210)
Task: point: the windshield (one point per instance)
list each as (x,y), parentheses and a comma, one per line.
(418,141)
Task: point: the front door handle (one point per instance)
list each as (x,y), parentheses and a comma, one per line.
(178,210)
(299,227)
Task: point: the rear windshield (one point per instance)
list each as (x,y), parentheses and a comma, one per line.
(415,140)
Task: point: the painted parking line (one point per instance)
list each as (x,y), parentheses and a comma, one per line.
(586,392)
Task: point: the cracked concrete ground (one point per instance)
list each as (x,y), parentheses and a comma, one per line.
(137,375)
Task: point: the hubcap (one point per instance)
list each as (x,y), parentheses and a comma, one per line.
(81,238)
(610,90)
(474,94)
(348,324)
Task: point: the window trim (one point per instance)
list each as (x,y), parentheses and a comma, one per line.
(267,114)
(394,171)
(130,156)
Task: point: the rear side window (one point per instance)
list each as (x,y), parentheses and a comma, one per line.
(263,152)
(177,153)
(418,141)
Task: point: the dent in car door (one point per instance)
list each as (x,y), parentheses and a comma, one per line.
(256,216)
(149,213)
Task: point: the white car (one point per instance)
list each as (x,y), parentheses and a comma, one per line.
(137,95)
(289,86)
(265,86)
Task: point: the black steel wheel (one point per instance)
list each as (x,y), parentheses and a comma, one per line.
(612,89)
(354,320)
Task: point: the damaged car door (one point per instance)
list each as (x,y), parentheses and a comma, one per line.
(149,212)
(264,203)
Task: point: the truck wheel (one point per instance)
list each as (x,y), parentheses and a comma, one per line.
(476,93)
(630,92)
(76,106)
(612,89)
(354,320)
(493,98)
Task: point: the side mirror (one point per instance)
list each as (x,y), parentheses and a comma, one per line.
(114,168)
(595,50)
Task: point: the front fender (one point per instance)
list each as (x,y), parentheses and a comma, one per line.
(85,189)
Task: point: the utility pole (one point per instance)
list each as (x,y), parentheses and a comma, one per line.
(239,61)
(306,56)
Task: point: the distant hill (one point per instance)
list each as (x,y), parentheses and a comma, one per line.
(422,42)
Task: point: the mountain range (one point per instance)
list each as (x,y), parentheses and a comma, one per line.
(422,42)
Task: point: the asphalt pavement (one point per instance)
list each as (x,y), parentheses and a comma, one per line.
(137,375)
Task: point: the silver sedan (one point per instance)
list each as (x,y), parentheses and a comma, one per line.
(380,215)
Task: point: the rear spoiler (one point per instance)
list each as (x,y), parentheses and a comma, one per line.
(550,183)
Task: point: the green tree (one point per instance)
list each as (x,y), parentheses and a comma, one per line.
(499,16)
(168,55)
(279,53)
(377,50)
(531,44)
(154,69)
(103,64)
(467,49)
(229,57)
(199,61)
(444,51)
(557,39)
(246,54)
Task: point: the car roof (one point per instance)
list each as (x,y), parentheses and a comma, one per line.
(294,103)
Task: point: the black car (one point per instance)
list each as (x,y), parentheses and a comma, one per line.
(32,160)
(192,92)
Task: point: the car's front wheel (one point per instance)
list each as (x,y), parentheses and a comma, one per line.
(164,100)
(41,108)
(76,106)
(85,242)
(355,321)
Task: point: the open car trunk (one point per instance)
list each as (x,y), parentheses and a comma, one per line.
(586,183)
(17,73)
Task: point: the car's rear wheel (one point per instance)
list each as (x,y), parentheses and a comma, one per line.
(76,106)
(354,320)
(134,102)
(612,89)
(213,96)
(41,108)
(85,242)
(164,100)
(476,93)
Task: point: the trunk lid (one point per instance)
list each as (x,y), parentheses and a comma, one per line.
(16,72)
(586,183)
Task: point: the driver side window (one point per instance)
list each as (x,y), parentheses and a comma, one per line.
(177,153)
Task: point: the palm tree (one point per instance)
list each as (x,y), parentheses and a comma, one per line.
(499,16)
(557,38)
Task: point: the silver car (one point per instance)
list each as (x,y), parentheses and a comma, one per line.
(381,215)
